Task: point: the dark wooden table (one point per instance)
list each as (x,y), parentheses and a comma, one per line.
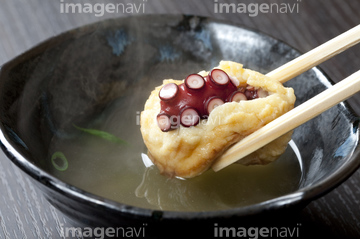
(24,213)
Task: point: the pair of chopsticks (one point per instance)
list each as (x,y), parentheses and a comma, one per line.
(309,109)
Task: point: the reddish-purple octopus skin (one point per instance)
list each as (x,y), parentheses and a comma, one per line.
(194,99)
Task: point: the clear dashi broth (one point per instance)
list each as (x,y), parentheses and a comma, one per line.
(102,164)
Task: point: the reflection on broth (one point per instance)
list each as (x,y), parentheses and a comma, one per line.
(234,186)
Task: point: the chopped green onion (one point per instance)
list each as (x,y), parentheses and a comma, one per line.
(102,134)
(59,161)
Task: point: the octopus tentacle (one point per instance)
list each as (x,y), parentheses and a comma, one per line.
(198,96)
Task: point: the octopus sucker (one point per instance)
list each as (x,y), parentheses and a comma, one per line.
(187,124)
(194,82)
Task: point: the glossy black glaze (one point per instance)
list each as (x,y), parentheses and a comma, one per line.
(122,51)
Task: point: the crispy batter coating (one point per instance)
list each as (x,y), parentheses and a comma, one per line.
(188,152)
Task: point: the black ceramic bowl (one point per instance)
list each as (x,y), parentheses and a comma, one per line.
(49,93)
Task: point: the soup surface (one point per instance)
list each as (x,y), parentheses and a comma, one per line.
(105,156)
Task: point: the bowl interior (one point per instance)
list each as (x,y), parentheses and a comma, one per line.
(71,107)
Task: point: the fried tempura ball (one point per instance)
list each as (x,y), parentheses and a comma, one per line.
(189,151)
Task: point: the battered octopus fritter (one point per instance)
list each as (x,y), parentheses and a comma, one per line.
(186,151)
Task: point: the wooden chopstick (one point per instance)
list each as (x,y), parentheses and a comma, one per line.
(317,55)
(307,110)
(290,120)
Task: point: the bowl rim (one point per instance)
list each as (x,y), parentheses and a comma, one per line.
(302,196)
